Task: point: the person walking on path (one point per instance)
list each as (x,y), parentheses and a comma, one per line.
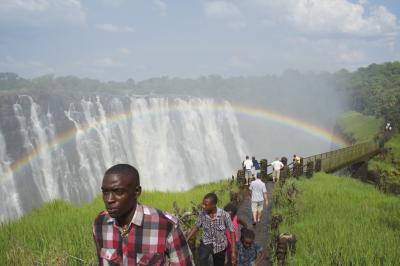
(129,233)
(276,169)
(232,210)
(247,166)
(214,222)
(296,159)
(259,195)
(256,166)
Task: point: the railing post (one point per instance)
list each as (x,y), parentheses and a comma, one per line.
(240,177)
(310,169)
(318,165)
(264,169)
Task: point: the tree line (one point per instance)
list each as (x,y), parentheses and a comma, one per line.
(372,90)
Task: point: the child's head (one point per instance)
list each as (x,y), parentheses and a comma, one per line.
(231,209)
(247,237)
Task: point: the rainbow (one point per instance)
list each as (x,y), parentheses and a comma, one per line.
(251,111)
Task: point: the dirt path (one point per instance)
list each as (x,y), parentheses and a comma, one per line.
(261,229)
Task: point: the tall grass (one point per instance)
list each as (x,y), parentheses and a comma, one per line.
(59,233)
(341,221)
(359,127)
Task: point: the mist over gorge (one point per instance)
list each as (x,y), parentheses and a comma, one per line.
(59,134)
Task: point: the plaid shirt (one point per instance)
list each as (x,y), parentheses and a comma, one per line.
(214,229)
(154,239)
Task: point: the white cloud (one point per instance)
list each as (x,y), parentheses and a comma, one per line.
(351,56)
(236,25)
(125,51)
(113,28)
(227,12)
(42,11)
(335,51)
(237,62)
(334,16)
(161,6)
(29,5)
(106,62)
(222,9)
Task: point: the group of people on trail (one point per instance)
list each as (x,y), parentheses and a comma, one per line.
(388,126)
(129,233)
(248,166)
(251,168)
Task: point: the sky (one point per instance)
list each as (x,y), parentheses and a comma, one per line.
(140,39)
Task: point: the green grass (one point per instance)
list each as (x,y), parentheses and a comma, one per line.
(341,221)
(59,233)
(359,127)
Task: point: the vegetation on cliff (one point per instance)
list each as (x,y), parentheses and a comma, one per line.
(375,90)
(359,127)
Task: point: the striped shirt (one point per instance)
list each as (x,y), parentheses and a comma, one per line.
(214,229)
(154,239)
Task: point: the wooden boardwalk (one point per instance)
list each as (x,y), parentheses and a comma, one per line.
(261,229)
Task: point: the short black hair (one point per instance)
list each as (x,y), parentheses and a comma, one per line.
(246,234)
(230,207)
(126,169)
(212,196)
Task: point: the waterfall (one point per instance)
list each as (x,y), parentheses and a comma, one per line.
(175,143)
(9,200)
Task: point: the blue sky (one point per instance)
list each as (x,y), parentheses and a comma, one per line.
(139,39)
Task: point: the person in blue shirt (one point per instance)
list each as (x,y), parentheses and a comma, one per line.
(256,166)
(249,252)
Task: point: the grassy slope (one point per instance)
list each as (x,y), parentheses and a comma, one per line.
(58,231)
(359,127)
(342,221)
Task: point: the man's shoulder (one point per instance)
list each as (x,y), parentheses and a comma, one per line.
(225,214)
(101,218)
(102,215)
(258,182)
(147,210)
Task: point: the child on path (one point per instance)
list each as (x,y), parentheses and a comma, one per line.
(249,252)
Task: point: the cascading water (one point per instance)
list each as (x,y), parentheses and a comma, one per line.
(10,205)
(174,142)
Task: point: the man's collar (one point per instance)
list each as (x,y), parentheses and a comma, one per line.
(137,218)
(218,214)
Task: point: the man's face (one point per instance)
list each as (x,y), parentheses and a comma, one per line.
(208,205)
(119,194)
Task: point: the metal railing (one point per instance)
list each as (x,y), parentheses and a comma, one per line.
(336,159)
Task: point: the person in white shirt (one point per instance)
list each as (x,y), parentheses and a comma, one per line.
(247,165)
(258,197)
(276,169)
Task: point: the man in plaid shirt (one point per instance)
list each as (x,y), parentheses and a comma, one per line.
(213,242)
(128,233)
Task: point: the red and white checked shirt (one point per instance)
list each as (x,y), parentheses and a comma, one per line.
(154,239)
